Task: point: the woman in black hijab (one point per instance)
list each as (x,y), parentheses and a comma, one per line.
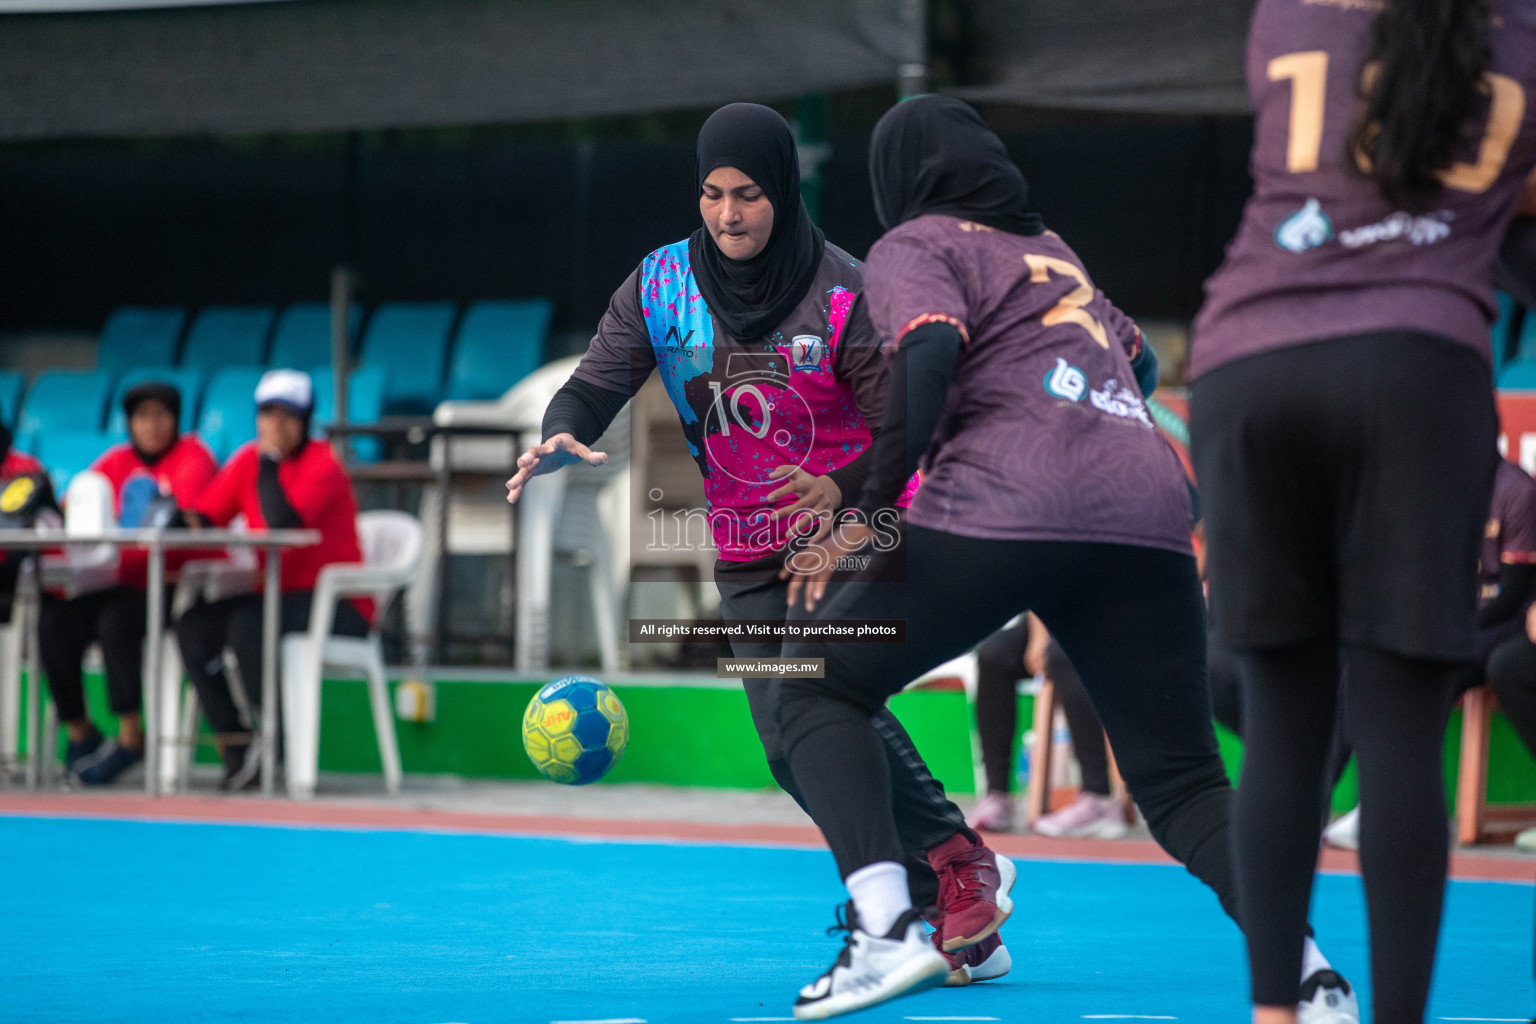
(751,296)
(1045,488)
(934,154)
(751,323)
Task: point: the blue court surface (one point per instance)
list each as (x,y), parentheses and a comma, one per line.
(136,921)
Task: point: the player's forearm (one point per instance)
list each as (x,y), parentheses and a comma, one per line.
(921,370)
(582,410)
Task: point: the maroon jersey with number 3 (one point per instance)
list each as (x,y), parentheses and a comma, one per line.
(1044,434)
(1320,252)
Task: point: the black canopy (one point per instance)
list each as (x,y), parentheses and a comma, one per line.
(325,65)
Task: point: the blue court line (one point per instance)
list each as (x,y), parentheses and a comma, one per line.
(117,921)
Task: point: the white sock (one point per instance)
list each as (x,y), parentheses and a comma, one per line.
(879,894)
(1312,959)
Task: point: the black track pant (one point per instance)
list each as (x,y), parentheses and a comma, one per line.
(113,618)
(999,667)
(1000,664)
(1398,710)
(1131,619)
(206,629)
(1227,702)
(925,816)
(1511,671)
(1082,720)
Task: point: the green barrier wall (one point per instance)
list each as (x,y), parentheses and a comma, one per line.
(702,736)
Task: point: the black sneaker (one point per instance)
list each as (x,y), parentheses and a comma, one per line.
(75,753)
(242,767)
(872,969)
(103,767)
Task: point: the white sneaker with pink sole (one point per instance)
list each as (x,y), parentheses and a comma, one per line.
(1090,816)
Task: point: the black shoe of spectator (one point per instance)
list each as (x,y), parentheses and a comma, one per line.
(242,767)
(75,754)
(109,762)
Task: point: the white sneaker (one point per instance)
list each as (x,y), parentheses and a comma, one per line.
(1525,842)
(873,968)
(1326,998)
(1090,816)
(1344,833)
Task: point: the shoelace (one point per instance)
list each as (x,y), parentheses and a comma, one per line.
(846,921)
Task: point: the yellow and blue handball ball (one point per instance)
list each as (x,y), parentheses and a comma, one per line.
(575,730)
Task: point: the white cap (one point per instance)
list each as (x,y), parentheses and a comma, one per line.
(291,389)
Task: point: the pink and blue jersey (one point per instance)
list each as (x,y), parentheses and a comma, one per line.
(802,396)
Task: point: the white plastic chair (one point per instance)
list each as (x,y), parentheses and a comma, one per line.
(391,543)
(965,668)
(580,510)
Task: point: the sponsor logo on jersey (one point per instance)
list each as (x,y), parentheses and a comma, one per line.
(1424,230)
(808,351)
(1120,401)
(1307,228)
(678,342)
(1066,381)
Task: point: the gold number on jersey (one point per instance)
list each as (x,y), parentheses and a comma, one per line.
(1070,309)
(1505,113)
(1307,72)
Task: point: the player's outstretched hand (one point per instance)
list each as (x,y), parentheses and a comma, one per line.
(809,569)
(559,451)
(811,514)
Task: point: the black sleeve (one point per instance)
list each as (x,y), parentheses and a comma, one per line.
(1515,581)
(1515,270)
(861,365)
(275,507)
(921,369)
(582,410)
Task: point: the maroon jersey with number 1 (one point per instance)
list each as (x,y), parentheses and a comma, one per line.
(1320,252)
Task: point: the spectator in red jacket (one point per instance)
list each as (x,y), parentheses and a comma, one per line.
(156,468)
(281,480)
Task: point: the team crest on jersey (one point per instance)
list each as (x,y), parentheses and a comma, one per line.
(1066,381)
(1307,228)
(808,351)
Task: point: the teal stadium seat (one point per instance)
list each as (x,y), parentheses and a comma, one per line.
(303,335)
(187,380)
(67,452)
(228,416)
(224,336)
(409,342)
(140,336)
(1518,375)
(63,401)
(365,404)
(12,384)
(499,342)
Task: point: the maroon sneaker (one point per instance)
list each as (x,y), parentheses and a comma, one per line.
(984,961)
(973,890)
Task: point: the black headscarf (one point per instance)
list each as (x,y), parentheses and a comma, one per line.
(167,395)
(934,154)
(752,297)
